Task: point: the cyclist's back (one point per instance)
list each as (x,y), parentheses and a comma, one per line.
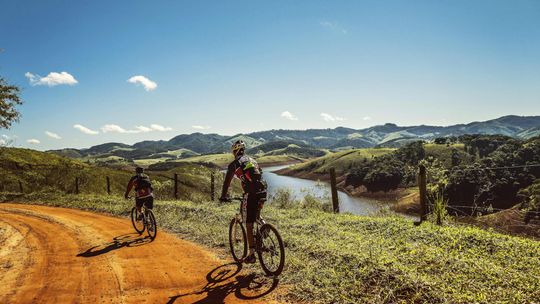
(144,195)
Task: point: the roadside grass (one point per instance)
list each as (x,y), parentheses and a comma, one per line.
(346,258)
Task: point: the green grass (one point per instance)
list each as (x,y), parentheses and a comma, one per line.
(342,161)
(444,153)
(353,259)
(41,171)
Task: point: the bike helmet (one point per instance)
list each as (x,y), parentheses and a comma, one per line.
(238,146)
(139,170)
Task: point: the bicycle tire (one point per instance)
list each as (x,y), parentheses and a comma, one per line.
(134,221)
(265,231)
(151,220)
(234,225)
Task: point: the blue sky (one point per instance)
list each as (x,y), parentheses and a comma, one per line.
(241,66)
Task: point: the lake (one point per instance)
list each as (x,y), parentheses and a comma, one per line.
(299,187)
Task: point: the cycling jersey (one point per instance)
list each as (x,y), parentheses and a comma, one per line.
(249,173)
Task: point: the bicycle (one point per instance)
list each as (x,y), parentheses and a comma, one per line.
(144,220)
(268,243)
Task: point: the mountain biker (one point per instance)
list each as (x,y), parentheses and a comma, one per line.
(143,190)
(254,186)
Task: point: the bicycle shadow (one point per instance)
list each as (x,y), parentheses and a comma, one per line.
(121,241)
(220,285)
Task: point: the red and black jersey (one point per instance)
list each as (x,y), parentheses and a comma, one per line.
(249,173)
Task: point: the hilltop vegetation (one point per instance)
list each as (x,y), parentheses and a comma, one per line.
(311,142)
(345,258)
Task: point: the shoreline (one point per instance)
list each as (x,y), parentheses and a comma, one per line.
(404,200)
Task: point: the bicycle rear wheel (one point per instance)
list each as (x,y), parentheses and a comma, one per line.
(137,223)
(151,224)
(270,250)
(237,240)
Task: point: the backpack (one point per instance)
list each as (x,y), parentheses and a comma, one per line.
(143,182)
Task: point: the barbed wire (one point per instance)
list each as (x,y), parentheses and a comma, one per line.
(498,168)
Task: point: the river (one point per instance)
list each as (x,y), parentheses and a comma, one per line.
(299,187)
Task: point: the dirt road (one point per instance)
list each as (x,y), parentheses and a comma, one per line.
(57,255)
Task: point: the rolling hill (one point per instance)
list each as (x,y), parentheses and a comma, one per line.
(308,142)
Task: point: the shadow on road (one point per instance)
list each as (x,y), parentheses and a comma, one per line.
(220,285)
(125,240)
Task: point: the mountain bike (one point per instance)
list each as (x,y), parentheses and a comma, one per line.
(268,243)
(144,220)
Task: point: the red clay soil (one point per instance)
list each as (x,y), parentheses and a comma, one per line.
(57,255)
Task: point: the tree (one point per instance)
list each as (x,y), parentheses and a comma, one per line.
(9,100)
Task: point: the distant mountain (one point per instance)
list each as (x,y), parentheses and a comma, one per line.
(387,135)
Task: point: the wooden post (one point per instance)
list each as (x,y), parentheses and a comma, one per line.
(212,187)
(108,186)
(422,187)
(76,185)
(176,186)
(333,184)
(20,187)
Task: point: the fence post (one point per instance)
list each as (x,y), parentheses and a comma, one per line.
(212,187)
(20,187)
(176,186)
(108,186)
(422,187)
(76,185)
(333,184)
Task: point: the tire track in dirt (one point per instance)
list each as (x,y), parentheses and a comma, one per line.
(57,255)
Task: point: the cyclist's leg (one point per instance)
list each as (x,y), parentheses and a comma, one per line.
(251,217)
(138,204)
(149,202)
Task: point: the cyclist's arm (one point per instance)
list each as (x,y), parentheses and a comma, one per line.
(129,187)
(228,179)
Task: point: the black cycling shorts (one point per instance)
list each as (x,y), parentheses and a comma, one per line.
(147,201)
(253,209)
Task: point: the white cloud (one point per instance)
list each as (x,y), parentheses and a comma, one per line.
(366,118)
(51,80)
(333,26)
(85,130)
(160,128)
(328,117)
(53,135)
(288,115)
(3,142)
(200,127)
(143,129)
(148,84)
(112,128)
(33,141)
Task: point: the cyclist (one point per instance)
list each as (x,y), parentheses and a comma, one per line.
(254,186)
(143,190)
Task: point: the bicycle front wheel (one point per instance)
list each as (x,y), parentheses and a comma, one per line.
(237,240)
(137,221)
(270,250)
(151,225)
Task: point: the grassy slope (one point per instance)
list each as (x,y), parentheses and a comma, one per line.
(352,259)
(444,153)
(42,170)
(59,176)
(342,161)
